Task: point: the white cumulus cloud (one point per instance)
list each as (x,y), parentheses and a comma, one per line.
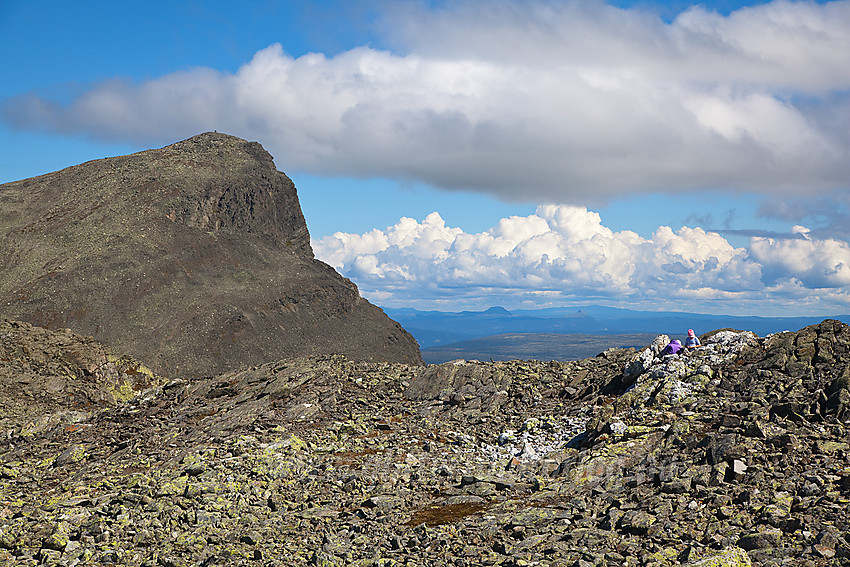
(815,263)
(565,253)
(566,102)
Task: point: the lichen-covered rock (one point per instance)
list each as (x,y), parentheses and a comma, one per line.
(52,377)
(325,461)
(734,557)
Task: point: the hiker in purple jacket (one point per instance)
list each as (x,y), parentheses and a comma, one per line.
(672,347)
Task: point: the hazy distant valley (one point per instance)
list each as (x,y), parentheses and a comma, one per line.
(564,333)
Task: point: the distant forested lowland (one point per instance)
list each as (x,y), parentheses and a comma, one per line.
(565,333)
(534,346)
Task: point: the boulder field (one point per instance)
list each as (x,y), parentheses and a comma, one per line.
(736,453)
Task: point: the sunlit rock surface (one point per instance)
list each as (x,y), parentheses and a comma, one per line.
(734,454)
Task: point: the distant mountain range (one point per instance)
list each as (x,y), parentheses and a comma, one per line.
(534,333)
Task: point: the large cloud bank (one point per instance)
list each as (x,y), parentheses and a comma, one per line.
(564,254)
(546,101)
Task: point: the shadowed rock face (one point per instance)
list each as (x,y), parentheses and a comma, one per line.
(194,257)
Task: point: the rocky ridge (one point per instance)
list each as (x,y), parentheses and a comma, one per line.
(734,454)
(194,257)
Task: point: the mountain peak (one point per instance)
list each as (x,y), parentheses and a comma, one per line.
(496,310)
(194,257)
(220,144)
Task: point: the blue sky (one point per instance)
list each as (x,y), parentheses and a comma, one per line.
(455,155)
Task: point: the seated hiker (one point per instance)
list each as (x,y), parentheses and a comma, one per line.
(692,341)
(672,347)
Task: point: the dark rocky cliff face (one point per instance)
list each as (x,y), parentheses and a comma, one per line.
(194,257)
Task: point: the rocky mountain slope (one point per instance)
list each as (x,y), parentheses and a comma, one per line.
(195,257)
(734,454)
